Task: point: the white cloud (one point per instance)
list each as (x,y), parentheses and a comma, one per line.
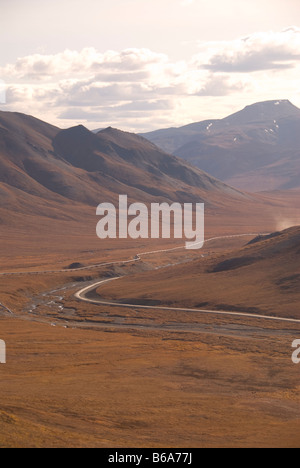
(2,92)
(221,85)
(138,89)
(261,51)
(89,60)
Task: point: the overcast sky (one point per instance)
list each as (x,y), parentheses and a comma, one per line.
(140,65)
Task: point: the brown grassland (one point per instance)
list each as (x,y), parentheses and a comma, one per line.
(115,377)
(72,387)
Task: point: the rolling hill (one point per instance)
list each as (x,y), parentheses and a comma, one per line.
(262,277)
(43,163)
(255,149)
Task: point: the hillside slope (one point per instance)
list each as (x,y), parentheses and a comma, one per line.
(254,149)
(262,277)
(56,166)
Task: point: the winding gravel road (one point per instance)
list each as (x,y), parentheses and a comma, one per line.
(81,295)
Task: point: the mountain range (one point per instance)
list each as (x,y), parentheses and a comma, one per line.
(44,168)
(256,149)
(52,180)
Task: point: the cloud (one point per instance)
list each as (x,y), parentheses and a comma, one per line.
(87,61)
(90,78)
(220,85)
(2,92)
(130,109)
(141,89)
(261,51)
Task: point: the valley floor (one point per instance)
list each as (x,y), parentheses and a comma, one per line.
(82,375)
(71,387)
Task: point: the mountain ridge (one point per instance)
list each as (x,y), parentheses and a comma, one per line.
(254,149)
(55,167)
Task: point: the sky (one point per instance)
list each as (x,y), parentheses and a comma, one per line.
(141,65)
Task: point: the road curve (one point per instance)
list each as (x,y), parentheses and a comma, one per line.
(6,309)
(81,295)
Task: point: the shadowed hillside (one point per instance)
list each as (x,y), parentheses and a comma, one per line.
(254,149)
(61,166)
(263,277)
